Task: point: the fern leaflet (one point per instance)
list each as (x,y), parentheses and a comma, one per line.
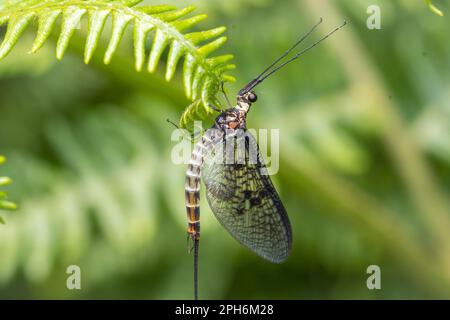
(5,204)
(433,8)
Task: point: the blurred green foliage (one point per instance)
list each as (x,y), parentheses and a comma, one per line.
(364,174)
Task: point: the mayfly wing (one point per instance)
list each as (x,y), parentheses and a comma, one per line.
(243,198)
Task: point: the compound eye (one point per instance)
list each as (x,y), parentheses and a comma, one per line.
(252,97)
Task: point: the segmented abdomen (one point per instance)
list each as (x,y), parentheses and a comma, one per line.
(192,185)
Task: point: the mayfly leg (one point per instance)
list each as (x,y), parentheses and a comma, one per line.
(209,105)
(222,88)
(190,137)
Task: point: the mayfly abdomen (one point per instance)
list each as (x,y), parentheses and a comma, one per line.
(192,192)
(192,185)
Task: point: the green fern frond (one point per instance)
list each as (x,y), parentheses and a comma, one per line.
(193,112)
(433,8)
(202,74)
(4,181)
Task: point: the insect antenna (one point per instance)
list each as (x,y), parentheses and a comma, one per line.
(269,71)
(192,137)
(303,51)
(304,37)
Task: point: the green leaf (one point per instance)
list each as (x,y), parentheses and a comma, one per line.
(97,21)
(120,22)
(16,26)
(4,181)
(46,21)
(7,205)
(433,8)
(71,20)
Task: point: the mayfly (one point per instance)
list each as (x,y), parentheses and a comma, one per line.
(238,187)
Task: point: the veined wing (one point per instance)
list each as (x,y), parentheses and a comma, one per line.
(243,198)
